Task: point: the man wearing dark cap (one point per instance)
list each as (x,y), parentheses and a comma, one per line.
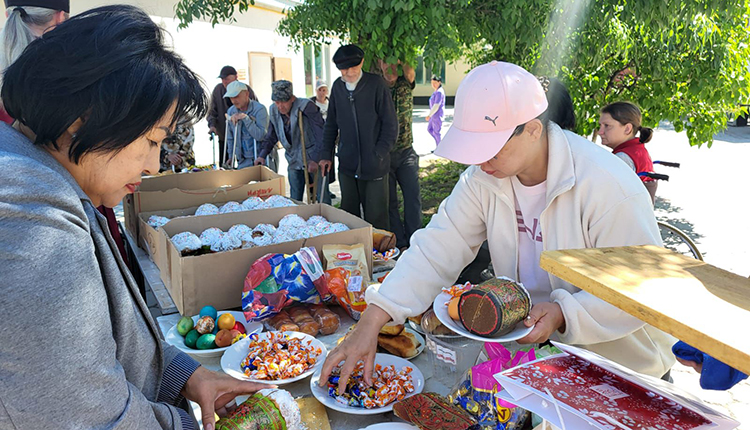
(361,111)
(219,106)
(283,126)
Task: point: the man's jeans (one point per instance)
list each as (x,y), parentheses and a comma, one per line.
(405,174)
(297,186)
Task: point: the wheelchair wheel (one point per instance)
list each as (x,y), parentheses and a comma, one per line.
(677,241)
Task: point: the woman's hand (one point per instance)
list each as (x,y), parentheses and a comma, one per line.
(698,367)
(428,117)
(359,344)
(548,318)
(214,391)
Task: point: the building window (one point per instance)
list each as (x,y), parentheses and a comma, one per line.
(424,74)
(317,66)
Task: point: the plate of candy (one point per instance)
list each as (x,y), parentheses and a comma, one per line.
(274,357)
(394,379)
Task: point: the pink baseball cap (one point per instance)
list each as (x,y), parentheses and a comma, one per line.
(491,101)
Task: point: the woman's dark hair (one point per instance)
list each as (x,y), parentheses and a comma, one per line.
(108,66)
(628,113)
(559,106)
(437,78)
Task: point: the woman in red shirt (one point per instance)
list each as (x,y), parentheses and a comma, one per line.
(619,123)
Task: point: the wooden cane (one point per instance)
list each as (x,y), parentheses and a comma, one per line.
(311,198)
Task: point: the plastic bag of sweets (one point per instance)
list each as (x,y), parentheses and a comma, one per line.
(277,280)
(476,391)
(349,291)
(353,258)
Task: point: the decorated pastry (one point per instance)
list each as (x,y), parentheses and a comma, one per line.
(156,221)
(284,235)
(238,230)
(186,242)
(268,409)
(230,207)
(316,219)
(226,242)
(251,203)
(338,227)
(248,240)
(292,221)
(265,228)
(324,227)
(494,307)
(210,236)
(277,201)
(207,209)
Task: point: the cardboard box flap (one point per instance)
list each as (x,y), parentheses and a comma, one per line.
(208,179)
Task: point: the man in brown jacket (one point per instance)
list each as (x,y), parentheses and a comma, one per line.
(219,105)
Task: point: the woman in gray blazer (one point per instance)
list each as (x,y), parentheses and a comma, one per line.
(93,99)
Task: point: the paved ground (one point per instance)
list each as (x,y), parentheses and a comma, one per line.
(706,197)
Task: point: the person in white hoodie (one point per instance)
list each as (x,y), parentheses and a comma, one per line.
(531,187)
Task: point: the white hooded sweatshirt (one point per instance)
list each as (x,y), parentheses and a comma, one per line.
(593,200)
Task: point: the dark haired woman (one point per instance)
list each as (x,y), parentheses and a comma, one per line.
(437,105)
(93,100)
(619,123)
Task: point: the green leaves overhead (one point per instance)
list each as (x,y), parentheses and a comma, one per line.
(685,61)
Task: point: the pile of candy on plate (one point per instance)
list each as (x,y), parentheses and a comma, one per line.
(388,386)
(277,356)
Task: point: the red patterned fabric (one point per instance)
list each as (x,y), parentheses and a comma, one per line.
(430,411)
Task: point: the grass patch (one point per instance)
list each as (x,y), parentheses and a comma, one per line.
(436,181)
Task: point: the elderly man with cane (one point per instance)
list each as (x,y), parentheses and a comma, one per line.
(246,125)
(297,124)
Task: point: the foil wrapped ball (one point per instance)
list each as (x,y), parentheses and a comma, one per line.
(210,236)
(186,242)
(206,209)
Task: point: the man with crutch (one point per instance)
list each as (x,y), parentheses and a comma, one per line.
(297,124)
(246,125)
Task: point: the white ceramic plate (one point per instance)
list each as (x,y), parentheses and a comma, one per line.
(174,338)
(441,311)
(379,258)
(416,327)
(230,361)
(382,359)
(390,426)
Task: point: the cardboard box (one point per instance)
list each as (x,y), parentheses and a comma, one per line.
(184,190)
(152,241)
(217,279)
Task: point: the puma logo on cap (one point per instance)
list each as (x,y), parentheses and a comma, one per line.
(487,118)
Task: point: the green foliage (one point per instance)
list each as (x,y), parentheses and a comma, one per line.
(685,61)
(436,181)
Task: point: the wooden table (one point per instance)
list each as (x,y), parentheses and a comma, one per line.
(707,307)
(338,420)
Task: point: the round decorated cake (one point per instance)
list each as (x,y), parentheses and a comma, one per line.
(494,307)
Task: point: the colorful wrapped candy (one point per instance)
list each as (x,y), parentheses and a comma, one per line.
(277,356)
(388,386)
(476,391)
